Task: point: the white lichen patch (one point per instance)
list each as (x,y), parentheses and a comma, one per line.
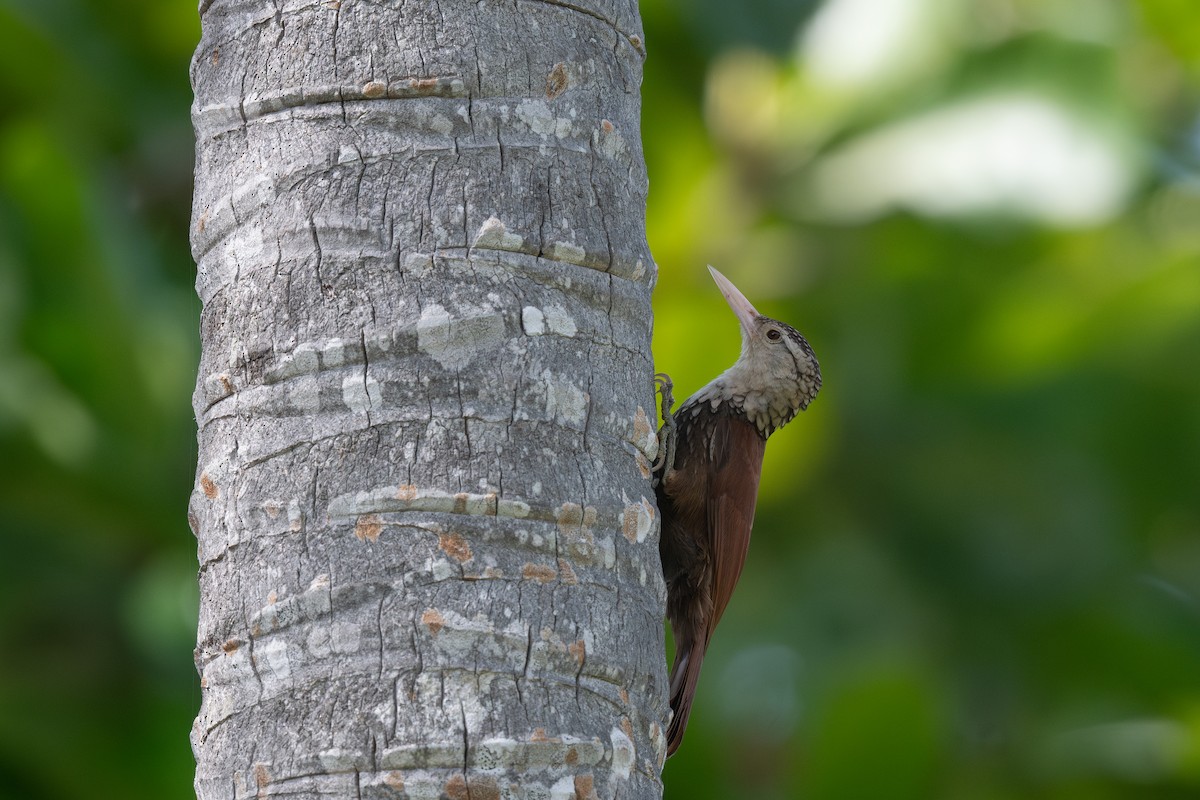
(533,322)
(338,759)
(559,321)
(218,387)
(643,436)
(624,755)
(564,401)
(333,354)
(493,235)
(441,124)
(301,361)
(407,497)
(317,642)
(642,519)
(410,756)
(295,517)
(361,394)
(568,252)
(516,509)
(658,740)
(609,141)
(441,569)
(563,789)
(608,551)
(542,120)
(272,656)
(245,248)
(453,342)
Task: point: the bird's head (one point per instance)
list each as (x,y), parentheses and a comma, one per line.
(777,374)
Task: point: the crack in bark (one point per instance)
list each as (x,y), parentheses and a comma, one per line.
(585,11)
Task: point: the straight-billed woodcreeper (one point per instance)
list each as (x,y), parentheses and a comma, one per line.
(707,481)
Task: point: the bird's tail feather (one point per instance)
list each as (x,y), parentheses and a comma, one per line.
(685,674)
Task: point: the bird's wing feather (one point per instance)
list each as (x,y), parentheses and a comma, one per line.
(736,456)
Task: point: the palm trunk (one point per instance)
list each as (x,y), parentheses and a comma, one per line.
(427,541)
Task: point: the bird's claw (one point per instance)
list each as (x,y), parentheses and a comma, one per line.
(665,461)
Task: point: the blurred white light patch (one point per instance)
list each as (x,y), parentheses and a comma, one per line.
(1018,154)
(856,42)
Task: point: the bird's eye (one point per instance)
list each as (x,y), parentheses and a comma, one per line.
(774,335)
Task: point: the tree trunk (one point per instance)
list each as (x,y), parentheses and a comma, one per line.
(427,540)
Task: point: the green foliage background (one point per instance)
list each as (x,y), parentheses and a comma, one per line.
(976,568)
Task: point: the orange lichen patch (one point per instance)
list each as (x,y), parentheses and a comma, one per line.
(572,755)
(569,516)
(539,735)
(261,776)
(636,41)
(455,546)
(643,464)
(272,597)
(484,787)
(637,520)
(629,523)
(627,727)
(373,89)
(460,503)
(272,508)
(204,682)
(226,383)
(578,650)
(194,523)
(585,788)
(589,517)
(202,222)
(456,788)
(567,572)
(208,487)
(434,620)
(406,492)
(608,127)
(394,780)
(541,573)
(216,56)
(642,427)
(624,694)
(426,84)
(556,81)
(230,647)
(368,528)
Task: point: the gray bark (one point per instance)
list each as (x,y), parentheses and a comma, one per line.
(427,540)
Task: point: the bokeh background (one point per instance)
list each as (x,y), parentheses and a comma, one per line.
(976,569)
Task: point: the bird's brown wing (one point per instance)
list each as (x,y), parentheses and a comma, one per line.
(736,455)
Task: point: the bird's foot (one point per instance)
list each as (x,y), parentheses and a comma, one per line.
(665,461)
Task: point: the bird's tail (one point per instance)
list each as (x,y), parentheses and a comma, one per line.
(685,673)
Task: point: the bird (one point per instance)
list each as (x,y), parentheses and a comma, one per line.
(706,481)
